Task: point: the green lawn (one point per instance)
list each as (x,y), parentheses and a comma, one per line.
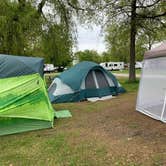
(130,87)
(103,133)
(138,71)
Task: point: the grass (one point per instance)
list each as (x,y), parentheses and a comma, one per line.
(130,87)
(126,71)
(104,133)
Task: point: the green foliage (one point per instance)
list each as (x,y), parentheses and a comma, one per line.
(150,33)
(26,30)
(57,45)
(135,14)
(129,86)
(117,38)
(18,28)
(88,55)
(149,29)
(118,43)
(106,57)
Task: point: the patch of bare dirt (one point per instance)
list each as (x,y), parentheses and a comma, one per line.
(125,133)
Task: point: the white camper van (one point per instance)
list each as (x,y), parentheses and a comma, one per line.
(48,68)
(138,65)
(113,65)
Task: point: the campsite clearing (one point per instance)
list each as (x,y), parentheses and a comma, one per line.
(107,132)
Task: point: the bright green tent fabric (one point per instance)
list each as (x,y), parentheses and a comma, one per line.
(62,114)
(24,104)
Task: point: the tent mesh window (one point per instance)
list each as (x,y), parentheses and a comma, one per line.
(102,81)
(89,81)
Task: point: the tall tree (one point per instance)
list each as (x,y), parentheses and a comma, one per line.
(59,33)
(28,26)
(117,41)
(134,13)
(88,55)
(118,44)
(106,57)
(57,38)
(57,46)
(18,27)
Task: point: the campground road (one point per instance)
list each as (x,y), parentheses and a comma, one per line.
(125,75)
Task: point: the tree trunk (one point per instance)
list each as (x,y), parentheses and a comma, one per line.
(132,76)
(149,43)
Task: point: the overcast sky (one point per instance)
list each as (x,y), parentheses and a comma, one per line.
(90,38)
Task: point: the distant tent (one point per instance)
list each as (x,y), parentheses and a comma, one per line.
(24,103)
(11,66)
(84,80)
(151,98)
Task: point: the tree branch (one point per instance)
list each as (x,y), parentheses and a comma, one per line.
(148,6)
(150,16)
(40,6)
(74,7)
(64,14)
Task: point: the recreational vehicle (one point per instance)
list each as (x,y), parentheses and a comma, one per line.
(138,65)
(48,68)
(113,65)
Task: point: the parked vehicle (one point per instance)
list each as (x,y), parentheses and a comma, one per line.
(113,65)
(138,65)
(49,68)
(126,65)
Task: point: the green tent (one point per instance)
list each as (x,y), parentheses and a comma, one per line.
(24,103)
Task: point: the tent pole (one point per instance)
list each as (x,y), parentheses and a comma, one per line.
(163,110)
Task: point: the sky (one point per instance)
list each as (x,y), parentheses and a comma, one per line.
(90,38)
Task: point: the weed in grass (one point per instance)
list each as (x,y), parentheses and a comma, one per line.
(133,125)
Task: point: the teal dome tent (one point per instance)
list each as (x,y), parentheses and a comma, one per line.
(84,80)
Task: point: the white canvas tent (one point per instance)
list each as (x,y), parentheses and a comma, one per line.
(151,98)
